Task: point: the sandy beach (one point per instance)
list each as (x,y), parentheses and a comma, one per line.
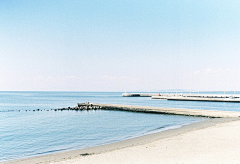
(216,144)
(210,141)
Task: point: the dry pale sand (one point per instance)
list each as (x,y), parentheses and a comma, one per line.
(210,141)
(216,144)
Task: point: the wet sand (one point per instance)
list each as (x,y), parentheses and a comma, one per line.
(211,141)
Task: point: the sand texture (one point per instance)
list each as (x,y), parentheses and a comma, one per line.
(216,144)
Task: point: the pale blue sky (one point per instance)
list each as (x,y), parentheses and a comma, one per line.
(119,45)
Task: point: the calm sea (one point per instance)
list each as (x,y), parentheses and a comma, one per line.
(25,133)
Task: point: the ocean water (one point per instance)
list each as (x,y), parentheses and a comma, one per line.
(25,133)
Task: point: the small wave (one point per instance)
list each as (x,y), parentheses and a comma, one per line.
(161,127)
(52,151)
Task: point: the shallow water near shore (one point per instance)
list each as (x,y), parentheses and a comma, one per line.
(26,133)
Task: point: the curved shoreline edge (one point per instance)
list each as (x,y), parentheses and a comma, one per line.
(60,156)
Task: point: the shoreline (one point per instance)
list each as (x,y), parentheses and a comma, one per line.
(146,139)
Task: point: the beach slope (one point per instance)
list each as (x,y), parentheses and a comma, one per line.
(210,144)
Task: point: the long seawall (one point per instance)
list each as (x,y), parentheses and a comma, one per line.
(235,98)
(202,97)
(164,110)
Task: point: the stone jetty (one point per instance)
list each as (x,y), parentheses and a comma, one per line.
(156,110)
(172,111)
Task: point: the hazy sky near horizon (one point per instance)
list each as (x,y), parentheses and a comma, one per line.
(118,45)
